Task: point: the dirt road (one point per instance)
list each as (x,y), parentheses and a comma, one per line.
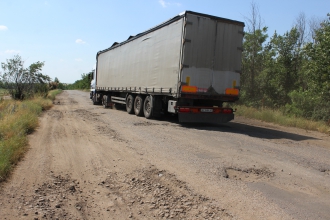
(87,162)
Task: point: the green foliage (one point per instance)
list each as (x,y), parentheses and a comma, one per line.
(56,84)
(17,119)
(313,98)
(253,63)
(22,82)
(278,117)
(53,93)
(282,72)
(83,83)
(286,74)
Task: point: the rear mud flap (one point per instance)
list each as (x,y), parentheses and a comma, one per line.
(205,118)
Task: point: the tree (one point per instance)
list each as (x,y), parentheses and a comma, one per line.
(23,82)
(282,77)
(314,24)
(83,83)
(253,57)
(318,70)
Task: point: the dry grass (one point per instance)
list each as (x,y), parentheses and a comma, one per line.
(17,119)
(278,117)
(53,93)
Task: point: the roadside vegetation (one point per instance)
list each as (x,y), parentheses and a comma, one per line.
(82,84)
(3,92)
(30,93)
(286,78)
(17,120)
(280,118)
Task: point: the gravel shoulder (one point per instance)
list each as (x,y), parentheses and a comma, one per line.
(87,162)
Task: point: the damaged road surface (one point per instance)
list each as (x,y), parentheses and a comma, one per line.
(87,162)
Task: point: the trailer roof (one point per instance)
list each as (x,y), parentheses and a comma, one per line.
(178,17)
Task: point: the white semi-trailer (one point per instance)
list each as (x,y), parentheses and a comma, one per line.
(189,65)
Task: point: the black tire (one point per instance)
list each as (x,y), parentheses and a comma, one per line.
(147,107)
(130,104)
(138,105)
(93,99)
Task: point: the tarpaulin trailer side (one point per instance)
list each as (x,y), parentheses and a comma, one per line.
(193,60)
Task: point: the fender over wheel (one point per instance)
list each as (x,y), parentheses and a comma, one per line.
(138,105)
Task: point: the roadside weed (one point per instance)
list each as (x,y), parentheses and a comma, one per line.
(17,119)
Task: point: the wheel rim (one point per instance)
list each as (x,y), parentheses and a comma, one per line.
(148,107)
(129,103)
(103,101)
(138,104)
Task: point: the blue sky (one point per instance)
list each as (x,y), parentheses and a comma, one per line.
(68,34)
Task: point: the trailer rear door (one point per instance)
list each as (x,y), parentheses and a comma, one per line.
(211,55)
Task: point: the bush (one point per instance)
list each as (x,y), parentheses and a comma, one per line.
(308,105)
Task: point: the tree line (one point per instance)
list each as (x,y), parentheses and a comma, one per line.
(83,83)
(24,83)
(290,72)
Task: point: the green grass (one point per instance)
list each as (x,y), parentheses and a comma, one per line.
(277,117)
(3,92)
(17,119)
(53,93)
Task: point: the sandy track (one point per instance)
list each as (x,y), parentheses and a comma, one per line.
(86,162)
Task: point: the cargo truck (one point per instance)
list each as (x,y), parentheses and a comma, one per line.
(189,65)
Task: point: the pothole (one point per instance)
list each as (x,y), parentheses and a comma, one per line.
(107,131)
(325,171)
(145,123)
(249,175)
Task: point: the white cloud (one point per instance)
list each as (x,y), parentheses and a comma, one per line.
(3,28)
(12,51)
(165,4)
(80,41)
(78,59)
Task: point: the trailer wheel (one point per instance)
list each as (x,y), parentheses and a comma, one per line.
(94,99)
(105,101)
(130,104)
(147,107)
(138,105)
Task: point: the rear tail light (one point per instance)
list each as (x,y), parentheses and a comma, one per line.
(184,110)
(227,111)
(194,110)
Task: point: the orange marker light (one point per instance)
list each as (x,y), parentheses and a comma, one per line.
(230,91)
(192,89)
